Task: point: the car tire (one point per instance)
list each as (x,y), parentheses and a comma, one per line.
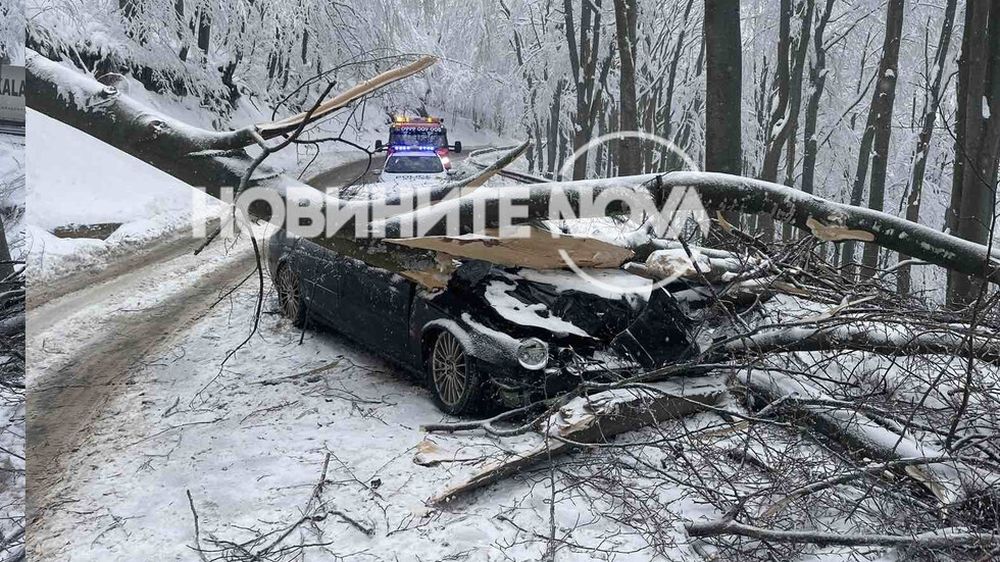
(452,377)
(290,300)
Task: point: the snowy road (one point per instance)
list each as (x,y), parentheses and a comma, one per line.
(84,345)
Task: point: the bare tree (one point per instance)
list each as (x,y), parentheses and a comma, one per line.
(817,80)
(878,129)
(723,89)
(583,39)
(932,101)
(783,121)
(977,137)
(626,21)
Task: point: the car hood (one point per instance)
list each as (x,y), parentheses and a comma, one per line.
(559,307)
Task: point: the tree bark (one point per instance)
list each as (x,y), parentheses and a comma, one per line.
(817,78)
(723,90)
(934,93)
(584,56)
(882,106)
(875,139)
(594,419)
(788,84)
(977,145)
(629,162)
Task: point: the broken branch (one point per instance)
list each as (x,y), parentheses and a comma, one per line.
(931,539)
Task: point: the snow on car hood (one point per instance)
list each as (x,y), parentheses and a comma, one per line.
(537,315)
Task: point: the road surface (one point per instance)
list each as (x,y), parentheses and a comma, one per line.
(87,332)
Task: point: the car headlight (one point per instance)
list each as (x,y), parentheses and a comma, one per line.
(533,354)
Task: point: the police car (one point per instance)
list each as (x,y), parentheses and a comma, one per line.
(405,165)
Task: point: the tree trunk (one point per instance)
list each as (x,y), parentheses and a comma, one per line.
(772,134)
(877,104)
(788,83)
(583,55)
(817,78)
(723,90)
(181,26)
(978,140)
(626,15)
(555,114)
(204,31)
(882,106)
(924,140)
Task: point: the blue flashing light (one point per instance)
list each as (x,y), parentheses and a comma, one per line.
(412,147)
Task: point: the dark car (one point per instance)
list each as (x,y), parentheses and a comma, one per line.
(494,335)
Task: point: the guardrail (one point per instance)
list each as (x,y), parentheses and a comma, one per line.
(516,176)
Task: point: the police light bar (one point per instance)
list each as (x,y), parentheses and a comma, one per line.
(412,147)
(416,120)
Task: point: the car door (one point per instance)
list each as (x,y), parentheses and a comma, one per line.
(321,281)
(374,307)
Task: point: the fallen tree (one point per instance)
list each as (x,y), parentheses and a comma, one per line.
(956,483)
(214,160)
(892,337)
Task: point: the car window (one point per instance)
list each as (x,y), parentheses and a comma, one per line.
(430,164)
(418,136)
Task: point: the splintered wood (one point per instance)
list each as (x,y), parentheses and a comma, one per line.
(540,250)
(589,420)
(289,124)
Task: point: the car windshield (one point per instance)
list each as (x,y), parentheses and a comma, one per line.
(418,136)
(429,164)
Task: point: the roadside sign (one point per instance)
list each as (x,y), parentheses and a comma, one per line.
(11,97)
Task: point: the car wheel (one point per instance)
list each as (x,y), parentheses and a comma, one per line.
(290,296)
(452,376)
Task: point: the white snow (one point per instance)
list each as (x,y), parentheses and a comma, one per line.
(535,315)
(569,281)
(251,449)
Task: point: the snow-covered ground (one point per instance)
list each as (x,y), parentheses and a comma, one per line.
(246,444)
(249,441)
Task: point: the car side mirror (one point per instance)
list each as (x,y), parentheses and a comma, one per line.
(458,147)
(378,146)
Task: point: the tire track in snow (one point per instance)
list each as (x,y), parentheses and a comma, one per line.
(105,337)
